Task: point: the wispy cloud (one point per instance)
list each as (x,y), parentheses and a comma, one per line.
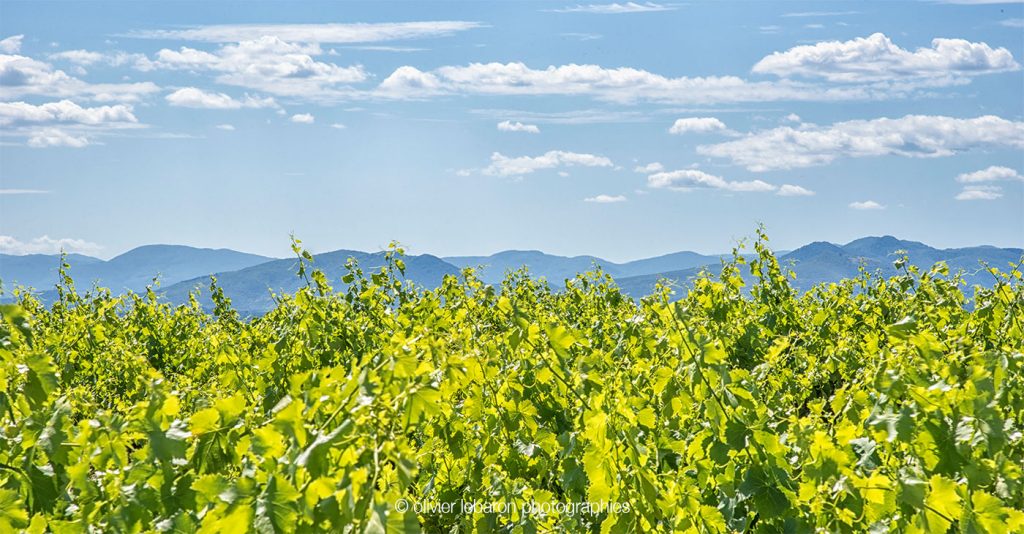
(605,199)
(788,190)
(11,45)
(46,245)
(24,76)
(23,192)
(615,8)
(994,173)
(919,136)
(866,205)
(267,64)
(502,165)
(337,33)
(980,192)
(689,179)
(192,97)
(821,13)
(623,85)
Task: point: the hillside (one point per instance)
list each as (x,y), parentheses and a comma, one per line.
(250,289)
(826,262)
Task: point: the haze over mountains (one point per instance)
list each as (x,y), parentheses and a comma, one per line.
(249,279)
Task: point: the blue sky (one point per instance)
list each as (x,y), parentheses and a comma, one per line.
(620,130)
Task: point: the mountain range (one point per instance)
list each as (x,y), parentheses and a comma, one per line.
(250,279)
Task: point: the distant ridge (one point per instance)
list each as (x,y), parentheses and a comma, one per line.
(250,279)
(133,270)
(821,261)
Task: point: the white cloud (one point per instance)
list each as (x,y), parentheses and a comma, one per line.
(1012,23)
(696,124)
(920,136)
(688,179)
(509,126)
(788,190)
(624,85)
(581,116)
(867,205)
(980,192)
(225,127)
(46,245)
(23,192)
(649,168)
(502,165)
(52,137)
(313,33)
(770,29)
(65,112)
(338,126)
(63,123)
(192,97)
(616,9)
(303,118)
(12,44)
(991,174)
(605,199)
(792,117)
(877,58)
(266,64)
(21,76)
(79,57)
(821,13)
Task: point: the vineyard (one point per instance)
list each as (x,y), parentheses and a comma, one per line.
(882,405)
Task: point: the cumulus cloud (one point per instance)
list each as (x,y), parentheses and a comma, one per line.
(696,124)
(21,76)
(920,136)
(624,85)
(192,97)
(54,137)
(605,199)
(65,112)
(649,168)
(877,58)
(303,118)
(267,64)
(46,245)
(509,126)
(980,192)
(12,44)
(502,165)
(992,174)
(63,123)
(616,9)
(787,190)
(867,205)
(686,180)
(312,33)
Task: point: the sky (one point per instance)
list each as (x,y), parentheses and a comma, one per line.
(622,130)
